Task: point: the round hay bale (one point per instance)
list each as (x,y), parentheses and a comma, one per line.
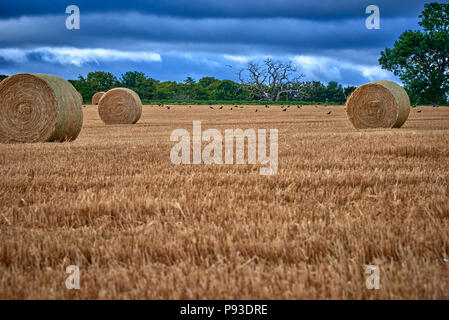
(120,106)
(378,104)
(38,108)
(96,97)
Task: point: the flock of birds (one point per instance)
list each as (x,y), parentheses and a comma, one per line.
(283,108)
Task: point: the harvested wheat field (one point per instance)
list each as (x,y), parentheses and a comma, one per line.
(141,227)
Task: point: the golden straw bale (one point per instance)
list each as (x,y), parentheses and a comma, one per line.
(39,108)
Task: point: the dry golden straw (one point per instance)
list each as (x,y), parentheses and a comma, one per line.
(379,104)
(120,106)
(96,97)
(38,108)
(81,98)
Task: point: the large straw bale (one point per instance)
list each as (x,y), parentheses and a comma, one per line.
(96,97)
(39,108)
(120,106)
(379,104)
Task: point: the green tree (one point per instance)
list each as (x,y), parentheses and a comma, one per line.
(137,81)
(313,91)
(334,92)
(166,90)
(207,81)
(348,91)
(94,82)
(2,77)
(421,58)
(227,90)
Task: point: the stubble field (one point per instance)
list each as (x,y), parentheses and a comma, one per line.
(140,227)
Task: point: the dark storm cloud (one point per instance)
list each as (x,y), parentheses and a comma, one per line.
(276,35)
(303,9)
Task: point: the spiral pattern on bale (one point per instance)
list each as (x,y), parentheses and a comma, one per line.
(39,108)
(378,104)
(120,106)
(96,97)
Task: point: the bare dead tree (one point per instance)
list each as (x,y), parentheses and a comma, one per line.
(271,80)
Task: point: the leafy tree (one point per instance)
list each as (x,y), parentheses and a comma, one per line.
(2,77)
(334,92)
(166,90)
(137,81)
(313,91)
(95,81)
(348,90)
(207,81)
(227,90)
(421,58)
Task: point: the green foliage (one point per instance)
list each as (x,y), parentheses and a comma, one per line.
(348,90)
(421,58)
(95,82)
(2,77)
(208,90)
(137,81)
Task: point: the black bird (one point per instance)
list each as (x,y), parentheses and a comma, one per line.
(329,112)
(284,109)
(168,107)
(231,109)
(256,110)
(212,108)
(299,107)
(419,111)
(288,106)
(221,107)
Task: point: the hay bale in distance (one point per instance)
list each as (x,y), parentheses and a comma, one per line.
(96,97)
(39,108)
(378,104)
(120,106)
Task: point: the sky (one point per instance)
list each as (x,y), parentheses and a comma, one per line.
(172,40)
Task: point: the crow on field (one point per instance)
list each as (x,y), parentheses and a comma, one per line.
(221,107)
(256,110)
(211,108)
(284,109)
(168,107)
(329,112)
(419,111)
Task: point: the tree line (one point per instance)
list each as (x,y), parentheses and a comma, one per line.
(205,89)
